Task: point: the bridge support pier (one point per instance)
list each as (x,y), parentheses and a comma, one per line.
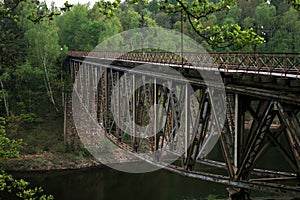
(238,194)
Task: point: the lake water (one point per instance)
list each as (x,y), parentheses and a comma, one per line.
(104,183)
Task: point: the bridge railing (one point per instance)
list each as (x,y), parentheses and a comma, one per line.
(282,64)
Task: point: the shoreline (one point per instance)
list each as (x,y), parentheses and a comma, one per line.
(48,161)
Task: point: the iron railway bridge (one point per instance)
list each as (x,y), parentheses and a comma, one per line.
(261,113)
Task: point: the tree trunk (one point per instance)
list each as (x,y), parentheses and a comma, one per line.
(5,99)
(48,86)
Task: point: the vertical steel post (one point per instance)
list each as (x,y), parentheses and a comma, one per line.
(71,67)
(88,86)
(95,91)
(181,37)
(83,88)
(118,130)
(79,80)
(105,121)
(155,112)
(186,120)
(236,122)
(126,106)
(133,107)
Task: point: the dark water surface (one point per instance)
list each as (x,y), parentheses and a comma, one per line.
(104,183)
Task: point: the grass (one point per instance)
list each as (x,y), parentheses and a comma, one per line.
(43,135)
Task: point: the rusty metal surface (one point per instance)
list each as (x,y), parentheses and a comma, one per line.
(262,109)
(254,90)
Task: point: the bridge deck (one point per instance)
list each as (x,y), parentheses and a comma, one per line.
(275,64)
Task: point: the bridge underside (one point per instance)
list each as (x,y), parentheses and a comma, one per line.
(240,133)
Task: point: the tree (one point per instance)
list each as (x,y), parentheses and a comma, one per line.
(248,22)
(162,19)
(11,50)
(44,52)
(265,15)
(265,18)
(248,7)
(294,3)
(41,56)
(129,18)
(83,28)
(9,149)
(218,36)
(287,37)
(197,13)
(235,13)
(153,7)
(109,27)
(71,28)
(14,45)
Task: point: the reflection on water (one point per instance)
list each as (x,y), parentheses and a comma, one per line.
(105,184)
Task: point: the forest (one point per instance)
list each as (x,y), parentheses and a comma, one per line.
(35,39)
(275,21)
(33,48)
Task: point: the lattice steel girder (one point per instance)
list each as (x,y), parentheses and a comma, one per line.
(256,142)
(291,131)
(105,99)
(273,140)
(224,131)
(202,119)
(114,89)
(167,101)
(124,112)
(226,150)
(84,83)
(154,92)
(263,117)
(241,103)
(257,115)
(98,97)
(92,81)
(176,107)
(187,120)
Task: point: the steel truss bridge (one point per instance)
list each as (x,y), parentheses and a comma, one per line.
(261,113)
